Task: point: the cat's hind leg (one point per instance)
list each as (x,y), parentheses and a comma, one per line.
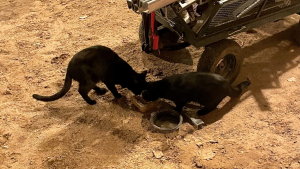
(84,90)
(205,111)
(100,91)
(208,108)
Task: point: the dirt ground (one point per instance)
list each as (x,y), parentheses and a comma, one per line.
(39,37)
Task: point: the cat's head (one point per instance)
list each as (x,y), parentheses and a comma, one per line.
(138,84)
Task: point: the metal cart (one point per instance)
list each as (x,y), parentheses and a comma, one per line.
(176,24)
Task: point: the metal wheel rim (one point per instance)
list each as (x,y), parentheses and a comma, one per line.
(226,66)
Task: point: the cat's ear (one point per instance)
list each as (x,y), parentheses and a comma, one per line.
(143,74)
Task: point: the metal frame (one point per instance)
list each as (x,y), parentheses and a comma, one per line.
(200,39)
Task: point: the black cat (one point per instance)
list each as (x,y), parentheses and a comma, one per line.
(94,64)
(207,89)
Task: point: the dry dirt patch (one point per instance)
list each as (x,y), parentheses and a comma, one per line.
(37,40)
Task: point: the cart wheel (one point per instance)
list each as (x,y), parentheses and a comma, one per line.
(146,48)
(297,37)
(223,58)
(141,33)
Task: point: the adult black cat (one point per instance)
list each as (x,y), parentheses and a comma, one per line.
(94,64)
(207,89)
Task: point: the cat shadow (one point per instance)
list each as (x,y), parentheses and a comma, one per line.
(78,117)
(63,112)
(218,114)
(89,133)
(123,102)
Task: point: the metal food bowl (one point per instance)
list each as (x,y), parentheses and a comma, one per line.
(166,120)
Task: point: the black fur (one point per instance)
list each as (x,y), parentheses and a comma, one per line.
(207,89)
(94,64)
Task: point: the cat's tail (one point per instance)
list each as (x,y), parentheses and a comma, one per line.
(238,90)
(61,93)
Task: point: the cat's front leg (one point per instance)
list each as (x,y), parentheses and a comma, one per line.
(202,112)
(205,110)
(113,90)
(84,90)
(179,106)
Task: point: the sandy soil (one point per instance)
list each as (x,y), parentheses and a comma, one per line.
(39,37)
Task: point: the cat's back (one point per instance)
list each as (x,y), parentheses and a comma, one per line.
(207,78)
(195,79)
(94,53)
(196,82)
(196,86)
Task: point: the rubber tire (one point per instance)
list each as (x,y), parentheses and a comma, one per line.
(297,37)
(215,52)
(141,33)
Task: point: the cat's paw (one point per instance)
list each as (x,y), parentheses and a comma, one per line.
(92,102)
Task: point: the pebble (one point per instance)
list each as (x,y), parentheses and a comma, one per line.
(199,165)
(158,154)
(207,154)
(7,92)
(185,129)
(292,79)
(213,141)
(83,17)
(199,144)
(125,121)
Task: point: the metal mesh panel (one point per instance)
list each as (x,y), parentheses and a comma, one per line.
(225,13)
(212,30)
(224,18)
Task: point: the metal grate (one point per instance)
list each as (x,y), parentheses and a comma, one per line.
(224,18)
(225,13)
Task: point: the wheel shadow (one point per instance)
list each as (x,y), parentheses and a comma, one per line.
(168,62)
(218,114)
(264,63)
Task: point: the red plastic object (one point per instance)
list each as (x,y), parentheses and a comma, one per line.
(154,36)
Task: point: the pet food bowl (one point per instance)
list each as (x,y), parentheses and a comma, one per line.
(166,120)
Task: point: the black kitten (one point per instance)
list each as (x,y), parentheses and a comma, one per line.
(207,89)
(94,64)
